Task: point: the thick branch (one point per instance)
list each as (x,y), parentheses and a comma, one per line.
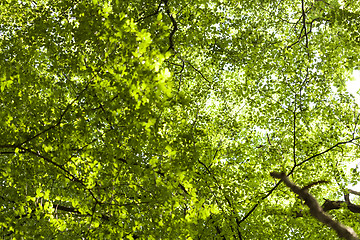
(330,205)
(291,172)
(316,210)
(354,192)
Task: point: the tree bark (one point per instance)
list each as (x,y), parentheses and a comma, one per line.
(316,210)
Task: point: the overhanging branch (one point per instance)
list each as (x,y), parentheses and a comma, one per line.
(316,210)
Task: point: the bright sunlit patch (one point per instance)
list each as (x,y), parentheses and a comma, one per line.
(353,87)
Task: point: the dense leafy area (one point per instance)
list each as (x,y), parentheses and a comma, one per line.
(163,119)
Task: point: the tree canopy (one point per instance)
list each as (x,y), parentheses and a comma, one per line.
(165,119)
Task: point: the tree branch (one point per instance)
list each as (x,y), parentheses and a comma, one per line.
(316,210)
(174,23)
(327,150)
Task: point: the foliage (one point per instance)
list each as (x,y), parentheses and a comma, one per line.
(163,119)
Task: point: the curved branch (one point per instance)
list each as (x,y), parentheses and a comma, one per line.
(316,210)
(174,23)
